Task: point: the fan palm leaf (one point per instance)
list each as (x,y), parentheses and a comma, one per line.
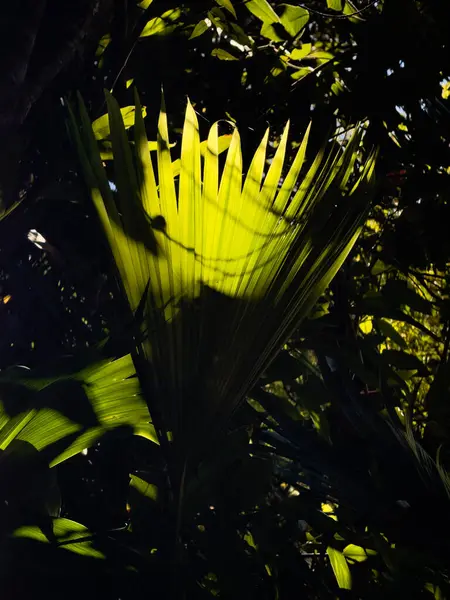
(224,265)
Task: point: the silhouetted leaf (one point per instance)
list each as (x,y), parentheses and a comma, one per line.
(284,368)
(398,293)
(403,360)
(29,487)
(68,397)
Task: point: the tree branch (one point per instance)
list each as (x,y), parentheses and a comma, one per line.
(64,56)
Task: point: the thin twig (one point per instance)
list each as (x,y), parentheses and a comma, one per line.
(332,15)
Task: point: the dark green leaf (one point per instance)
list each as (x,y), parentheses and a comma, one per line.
(390,332)
(217,16)
(284,368)
(29,486)
(277,406)
(404,361)
(398,293)
(240,36)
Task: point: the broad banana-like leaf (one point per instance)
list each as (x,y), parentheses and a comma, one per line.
(112,399)
(66,534)
(226,264)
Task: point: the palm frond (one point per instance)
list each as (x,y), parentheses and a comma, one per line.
(231,262)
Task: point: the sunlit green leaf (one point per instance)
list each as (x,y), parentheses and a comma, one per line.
(248,537)
(320,55)
(294,18)
(299,53)
(68,535)
(379,267)
(340,568)
(114,396)
(435,590)
(199,29)
(350,9)
(106,151)
(102,45)
(445,90)
(100,126)
(366,326)
(271,33)
(223,54)
(300,73)
(263,10)
(357,554)
(162,25)
(149,490)
(240,244)
(227,4)
(337,88)
(223,143)
(337,5)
